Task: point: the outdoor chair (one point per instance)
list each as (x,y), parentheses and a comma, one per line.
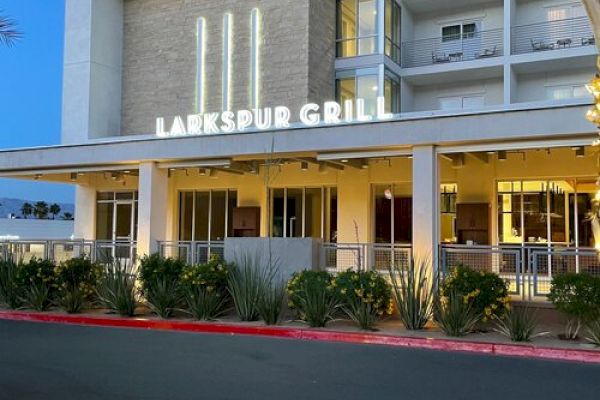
(437,58)
(588,41)
(485,53)
(540,45)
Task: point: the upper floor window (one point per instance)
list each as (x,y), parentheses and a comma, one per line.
(461,102)
(566,11)
(358,28)
(459,31)
(562,92)
(364,84)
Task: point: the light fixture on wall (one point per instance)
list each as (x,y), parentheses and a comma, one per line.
(502,155)
(304,166)
(579,151)
(364,164)
(388,194)
(73,176)
(202,171)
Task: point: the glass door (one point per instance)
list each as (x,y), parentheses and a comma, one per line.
(124,229)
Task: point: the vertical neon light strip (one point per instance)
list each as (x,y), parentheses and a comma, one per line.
(255,23)
(227,51)
(200,64)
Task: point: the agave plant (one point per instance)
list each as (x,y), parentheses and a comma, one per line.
(455,314)
(37,296)
(71,299)
(519,325)
(117,290)
(316,306)
(204,303)
(270,304)
(10,290)
(414,291)
(246,284)
(163,297)
(361,313)
(593,328)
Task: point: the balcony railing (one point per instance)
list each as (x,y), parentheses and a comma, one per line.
(61,250)
(441,50)
(553,35)
(192,252)
(338,257)
(528,269)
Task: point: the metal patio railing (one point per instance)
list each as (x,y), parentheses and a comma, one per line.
(449,49)
(338,257)
(552,35)
(528,269)
(62,250)
(192,252)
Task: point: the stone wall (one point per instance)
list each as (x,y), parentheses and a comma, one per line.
(159,56)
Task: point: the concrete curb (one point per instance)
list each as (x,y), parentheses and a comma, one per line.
(495,349)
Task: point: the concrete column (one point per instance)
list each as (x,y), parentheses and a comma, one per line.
(92,70)
(152,207)
(354,207)
(85,212)
(425,203)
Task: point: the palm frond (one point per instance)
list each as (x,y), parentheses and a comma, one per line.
(9,33)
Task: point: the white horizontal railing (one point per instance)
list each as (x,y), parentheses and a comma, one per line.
(552,35)
(192,252)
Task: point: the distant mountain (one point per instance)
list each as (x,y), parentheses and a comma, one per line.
(13,206)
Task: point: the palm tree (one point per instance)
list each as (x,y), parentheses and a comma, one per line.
(67,216)
(40,210)
(26,210)
(54,210)
(8,31)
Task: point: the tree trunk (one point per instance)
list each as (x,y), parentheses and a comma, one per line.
(593,10)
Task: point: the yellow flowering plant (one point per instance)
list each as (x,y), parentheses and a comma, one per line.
(212,275)
(485,291)
(364,287)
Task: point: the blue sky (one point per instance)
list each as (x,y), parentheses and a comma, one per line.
(30,90)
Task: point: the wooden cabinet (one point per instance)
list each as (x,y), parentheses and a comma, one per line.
(473,223)
(246,222)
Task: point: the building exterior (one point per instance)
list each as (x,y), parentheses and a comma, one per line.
(374,127)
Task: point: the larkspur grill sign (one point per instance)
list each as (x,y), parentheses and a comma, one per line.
(310,115)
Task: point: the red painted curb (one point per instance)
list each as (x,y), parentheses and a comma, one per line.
(496,349)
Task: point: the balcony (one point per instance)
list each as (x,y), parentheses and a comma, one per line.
(449,49)
(553,35)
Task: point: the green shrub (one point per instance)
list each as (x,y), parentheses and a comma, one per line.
(246,284)
(414,292)
(312,295)
(37,296)
(578,296)
(455,315)
(116,289)
(212,275)
(163,297)
(37,273)
(155,268)
(270,304)
(487,292)
(80,273)
(10,288)
(204,302)
(364,296)
(518,324)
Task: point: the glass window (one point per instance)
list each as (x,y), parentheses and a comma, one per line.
(450,33)
(393,213)
(206,216)
(299,212)
(450,103)
(357,27)
(364,84)
(392,30)
(448,193)
(461,102)
(104,221)
(367,89)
